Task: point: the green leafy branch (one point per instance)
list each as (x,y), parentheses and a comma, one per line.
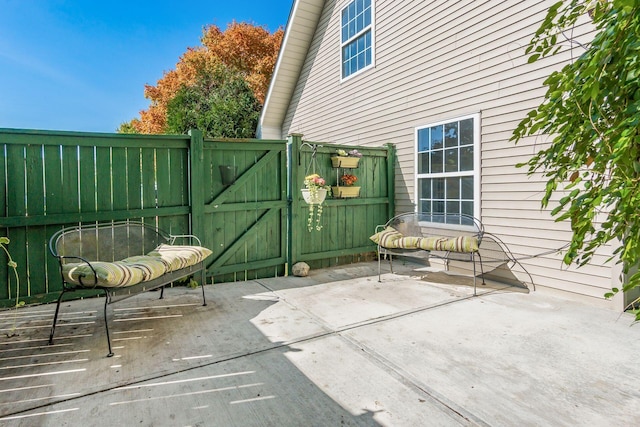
(592,112)
(3,242)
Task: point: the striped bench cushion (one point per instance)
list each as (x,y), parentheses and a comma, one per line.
(387,238)
(136,269)
(450,244)
(151,267)
(176,257)
(107,274)
(390,238)
(409,242)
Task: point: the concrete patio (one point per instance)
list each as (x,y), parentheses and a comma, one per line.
(333,349)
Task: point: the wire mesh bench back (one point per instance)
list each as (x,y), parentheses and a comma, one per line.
(431,224)
(107,242)
(420,224)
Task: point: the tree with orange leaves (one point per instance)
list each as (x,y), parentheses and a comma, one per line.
(220,104)
(249,50)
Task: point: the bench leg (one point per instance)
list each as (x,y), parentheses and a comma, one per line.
(390,264)
(204,300)
(55,317)
(380,261)
(473,258)
(106,322)
(481,268)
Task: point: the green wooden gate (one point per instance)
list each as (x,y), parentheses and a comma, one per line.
(243,203)
(257,224)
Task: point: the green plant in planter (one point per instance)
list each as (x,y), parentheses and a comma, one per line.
(352,153)
(314,183)
(3,242)
(348,180)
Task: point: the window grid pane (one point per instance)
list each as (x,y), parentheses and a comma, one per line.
(446,151)
(356,22)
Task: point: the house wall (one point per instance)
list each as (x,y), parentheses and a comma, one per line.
(436,61)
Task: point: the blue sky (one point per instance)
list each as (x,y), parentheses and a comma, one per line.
(82,65)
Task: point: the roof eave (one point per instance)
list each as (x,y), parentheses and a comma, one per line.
(301,26)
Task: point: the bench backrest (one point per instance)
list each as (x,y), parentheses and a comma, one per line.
(106,242)
(433,224)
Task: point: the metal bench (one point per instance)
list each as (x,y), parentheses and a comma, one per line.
(451,237)
(113,257)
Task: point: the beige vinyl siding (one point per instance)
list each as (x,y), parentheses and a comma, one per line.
(441,60)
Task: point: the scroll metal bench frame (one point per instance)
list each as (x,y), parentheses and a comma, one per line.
(109,243)
(422,224)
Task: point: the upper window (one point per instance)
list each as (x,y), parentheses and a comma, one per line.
(357,37)
(448,160)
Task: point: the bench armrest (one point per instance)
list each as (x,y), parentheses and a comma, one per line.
(173,238)
(82,260)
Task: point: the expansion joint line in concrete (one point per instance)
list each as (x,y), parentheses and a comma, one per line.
(454,410)
(401,375)
(329,332)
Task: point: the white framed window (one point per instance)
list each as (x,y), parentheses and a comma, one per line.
(356,37)
(448,166)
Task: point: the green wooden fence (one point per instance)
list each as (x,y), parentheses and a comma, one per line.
(255,223)
(50,180)
(346,223)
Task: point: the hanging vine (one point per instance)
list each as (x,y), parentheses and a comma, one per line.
(592,112)
(317,188)
(5,241)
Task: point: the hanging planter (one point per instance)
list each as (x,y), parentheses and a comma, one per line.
(314,194)
(345,162)
(347,189)
(315,198)
(345,192)
(315,191)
